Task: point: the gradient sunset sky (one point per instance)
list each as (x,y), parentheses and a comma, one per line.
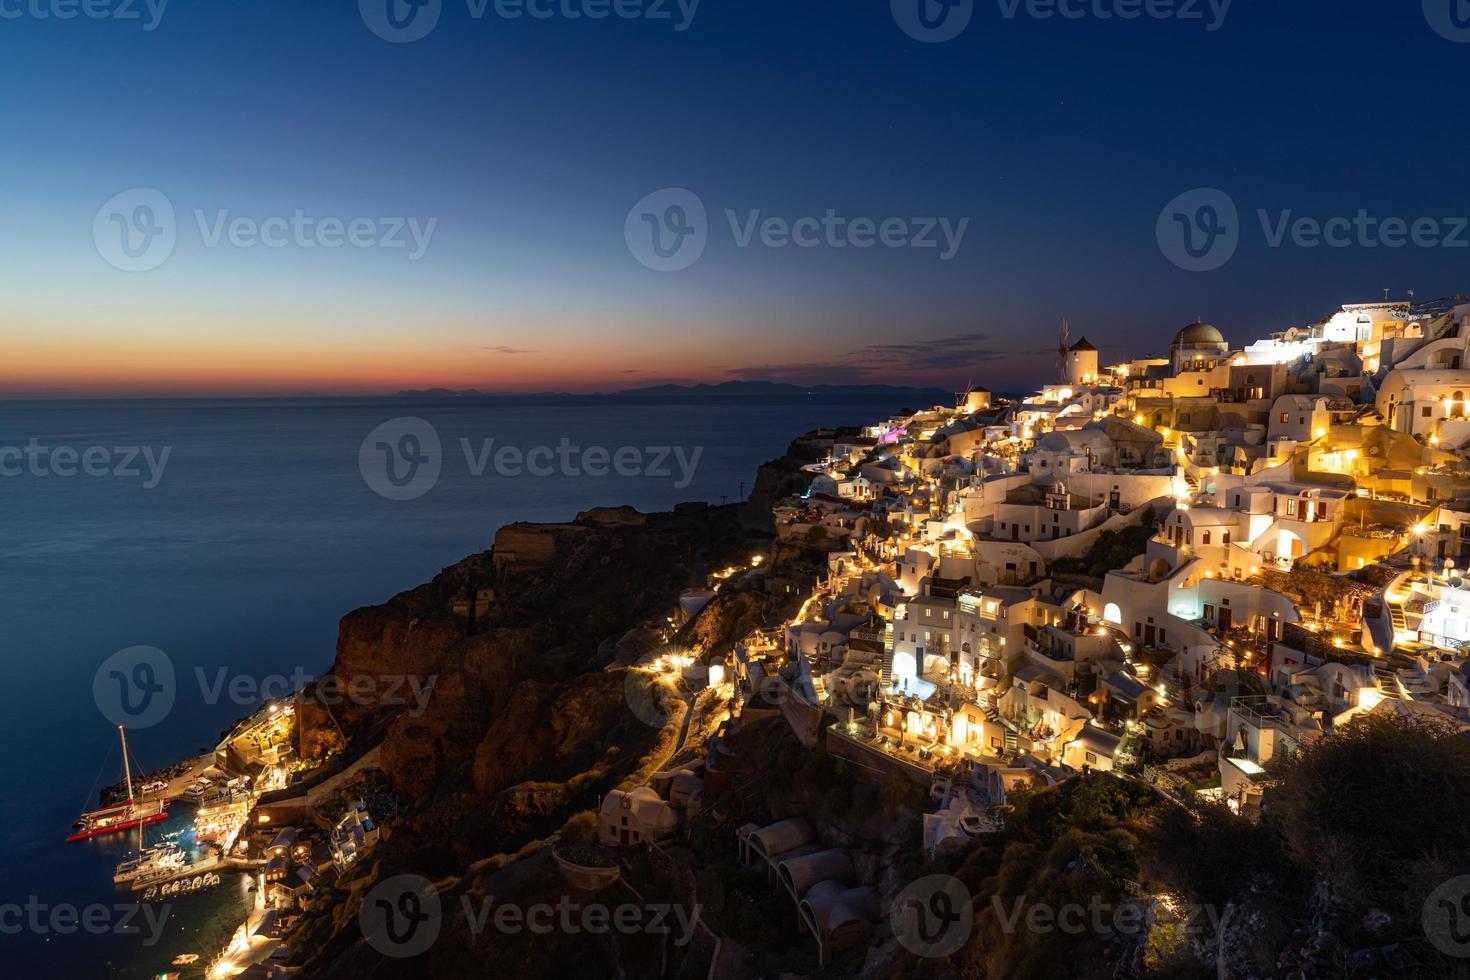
(530,140)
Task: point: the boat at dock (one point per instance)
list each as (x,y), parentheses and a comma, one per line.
(150,863)
(130,813)
(180,880)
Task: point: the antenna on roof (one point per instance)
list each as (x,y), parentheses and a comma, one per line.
(1385,295)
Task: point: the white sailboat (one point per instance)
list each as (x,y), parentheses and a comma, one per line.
(119,816)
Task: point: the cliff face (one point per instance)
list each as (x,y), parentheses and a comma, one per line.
(530,720)
(527,719)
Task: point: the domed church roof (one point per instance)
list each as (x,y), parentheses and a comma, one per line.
(1197,335)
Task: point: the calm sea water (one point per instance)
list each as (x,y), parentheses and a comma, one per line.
(261,533)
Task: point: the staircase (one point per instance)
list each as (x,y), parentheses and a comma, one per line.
(1387,681)
(1173,689)
(819,689)
(1396,613)
(987,705)
(1191,482)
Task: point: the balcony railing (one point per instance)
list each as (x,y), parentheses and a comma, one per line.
(1259,711)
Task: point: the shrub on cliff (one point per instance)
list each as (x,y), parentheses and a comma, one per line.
(1210,854)
(1055,909)
(1374,811)
(1101,800)
(580,828)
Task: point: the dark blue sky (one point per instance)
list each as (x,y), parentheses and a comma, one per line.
(529,141)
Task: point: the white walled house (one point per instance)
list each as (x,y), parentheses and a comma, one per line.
(1417,402)
(1045,511)
(924,637)
(914,566)
(1196,532)
(1275,523)
(1225,605)
(1258,729)
(635,817)
(1091,748)
(979,501)
(1001,563)
(1298,418)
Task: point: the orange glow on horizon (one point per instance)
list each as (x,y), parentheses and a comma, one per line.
(345,352)
(47,367)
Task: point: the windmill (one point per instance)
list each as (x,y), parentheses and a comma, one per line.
(1060,350)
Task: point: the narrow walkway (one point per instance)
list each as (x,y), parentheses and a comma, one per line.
(689,703)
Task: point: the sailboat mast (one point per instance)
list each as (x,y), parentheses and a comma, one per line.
(127,769)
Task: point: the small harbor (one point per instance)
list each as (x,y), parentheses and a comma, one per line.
(195,873)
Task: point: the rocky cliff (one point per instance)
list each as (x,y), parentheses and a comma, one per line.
(527,715)
(527,649)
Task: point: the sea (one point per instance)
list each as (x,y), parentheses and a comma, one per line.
(232,535)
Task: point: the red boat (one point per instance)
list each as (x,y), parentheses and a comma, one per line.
(119,816)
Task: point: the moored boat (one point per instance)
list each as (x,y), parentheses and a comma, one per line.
(130,813)
(153,861)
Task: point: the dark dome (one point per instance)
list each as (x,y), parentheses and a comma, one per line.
(1198,335)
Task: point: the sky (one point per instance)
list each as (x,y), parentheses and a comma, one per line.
(504,177)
